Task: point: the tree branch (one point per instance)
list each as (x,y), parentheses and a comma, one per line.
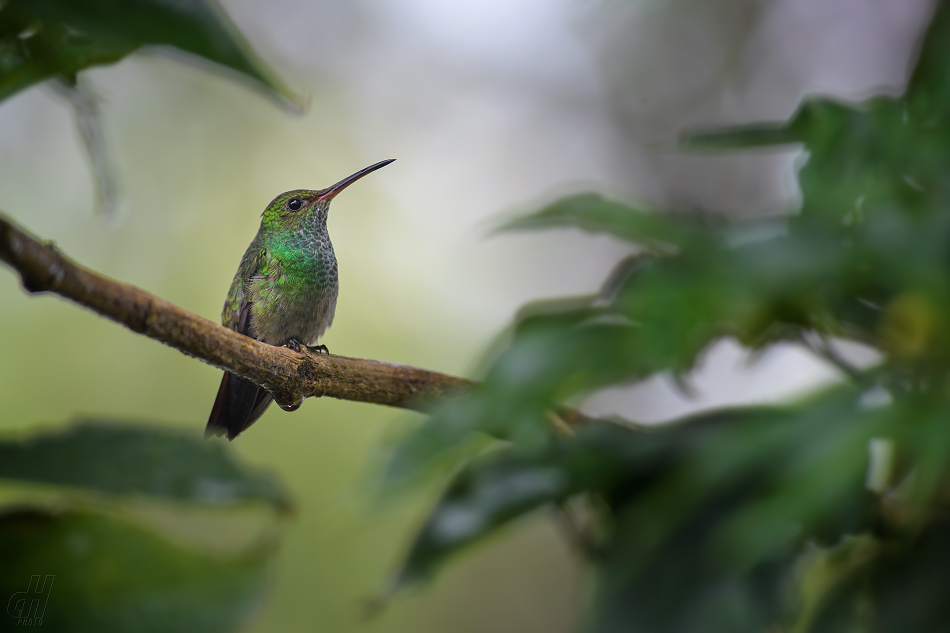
(289,376)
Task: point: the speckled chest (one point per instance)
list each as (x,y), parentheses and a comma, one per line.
(294,294)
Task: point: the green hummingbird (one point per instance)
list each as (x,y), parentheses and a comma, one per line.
(284,293)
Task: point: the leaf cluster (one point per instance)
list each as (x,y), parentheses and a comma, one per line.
(828,514)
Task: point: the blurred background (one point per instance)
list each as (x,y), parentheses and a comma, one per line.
(491,108)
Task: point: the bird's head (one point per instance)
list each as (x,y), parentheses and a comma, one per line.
(292,209)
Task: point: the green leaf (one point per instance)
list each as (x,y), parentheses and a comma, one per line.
(743,137)
(681,587)
(709,540)
(493,490)
(42,39)
(103,574)
(125,459)
(596,214)
(483,497)
(881,585)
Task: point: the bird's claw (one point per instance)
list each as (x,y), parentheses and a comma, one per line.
(320,348)
(295,345)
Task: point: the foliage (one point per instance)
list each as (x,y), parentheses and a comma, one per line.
(110,574)
(119,458)
(111,570)
(825,515)
(43,39)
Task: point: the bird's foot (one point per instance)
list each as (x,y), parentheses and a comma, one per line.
(320,348)
(295,345)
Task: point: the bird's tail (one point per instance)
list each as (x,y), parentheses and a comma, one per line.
(239,404)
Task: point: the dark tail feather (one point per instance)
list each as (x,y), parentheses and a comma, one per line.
(239,404)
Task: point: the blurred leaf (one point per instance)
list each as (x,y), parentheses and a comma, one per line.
(800,476)
(129,459)
(85,106)
(822,575)
(109,575)
(42,39)
(743,137)
(681,586)
(710,541)
(492,491)
(483,497)
(883,586)
(596,214)
(909,581)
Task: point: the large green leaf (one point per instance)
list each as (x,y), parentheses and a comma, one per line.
(42,39)
(803,466)
(90,572)
(127,459)
(492,491)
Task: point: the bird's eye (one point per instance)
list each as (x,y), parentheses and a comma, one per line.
(294,204)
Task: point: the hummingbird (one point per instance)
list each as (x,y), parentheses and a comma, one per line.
(284,293)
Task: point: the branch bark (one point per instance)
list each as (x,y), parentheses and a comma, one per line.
(288,375)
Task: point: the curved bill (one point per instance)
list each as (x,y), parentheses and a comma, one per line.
(332,190)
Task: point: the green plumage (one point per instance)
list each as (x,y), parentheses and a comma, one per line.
(288,276)
(284,292)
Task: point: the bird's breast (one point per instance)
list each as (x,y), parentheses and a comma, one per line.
(295,300)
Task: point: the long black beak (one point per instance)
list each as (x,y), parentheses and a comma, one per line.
(330,192)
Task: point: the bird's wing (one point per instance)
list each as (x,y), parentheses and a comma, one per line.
(236,312)
(239,402)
